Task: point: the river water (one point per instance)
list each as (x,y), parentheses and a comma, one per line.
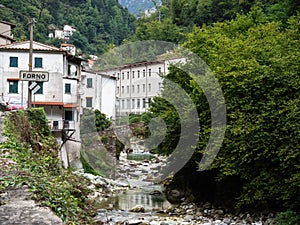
(138,170)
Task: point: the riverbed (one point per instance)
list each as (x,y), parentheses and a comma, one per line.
(134,198)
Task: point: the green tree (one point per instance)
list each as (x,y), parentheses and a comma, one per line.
(257,65)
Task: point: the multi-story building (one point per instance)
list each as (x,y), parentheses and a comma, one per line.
(59,96)
(137,84)
(98,91)
(6,36)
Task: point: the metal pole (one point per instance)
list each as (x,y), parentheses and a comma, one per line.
(30,59)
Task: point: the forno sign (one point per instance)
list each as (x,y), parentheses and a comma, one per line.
(40,76)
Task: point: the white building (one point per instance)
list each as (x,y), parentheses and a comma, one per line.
(6,36)
(59,96)
(137,84)
(66,33)
(99,92)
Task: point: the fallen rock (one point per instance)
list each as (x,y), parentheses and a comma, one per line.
(137,208)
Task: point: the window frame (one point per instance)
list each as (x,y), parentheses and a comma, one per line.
(89,102)
(68,90)
(38,60)
(13,60)
(41,90)
(16,86)
(89,82)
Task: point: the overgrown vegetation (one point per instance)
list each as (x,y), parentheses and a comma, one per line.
(288,217)
(256,64)
(177,17)
(98,153)
(33,148)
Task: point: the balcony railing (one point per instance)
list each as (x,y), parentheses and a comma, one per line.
(59,125)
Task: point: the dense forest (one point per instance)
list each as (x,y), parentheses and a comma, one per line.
(252,47)
(174,18)
(98,23)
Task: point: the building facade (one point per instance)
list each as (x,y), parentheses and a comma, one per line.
(99,92)
(137,84)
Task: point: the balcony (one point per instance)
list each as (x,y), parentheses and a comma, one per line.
(62,125)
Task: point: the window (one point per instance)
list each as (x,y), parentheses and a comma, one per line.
(144,73)
(67,88)
(138,74)
(13,86)
(40,91)
(149,72)
(118,90)
(149,87)
(144,87)
(159,86)
(38,62)
(127,88)
(118,76)
(72,70)
(123,76)
(89,102)
(127,75)
(122,89)
(144,103)
(69,115)
(132,89)
(132,74)
(89,82)
(132,103)
(123,104)
(128,103)
(138,88)
(138,103)
(13,61)
(159,70)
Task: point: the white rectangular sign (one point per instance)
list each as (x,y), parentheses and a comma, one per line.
(39,76)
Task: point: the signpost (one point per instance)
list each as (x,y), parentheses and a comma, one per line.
(34,87)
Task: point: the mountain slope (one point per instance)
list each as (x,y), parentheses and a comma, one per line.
(137,6)
(97,22)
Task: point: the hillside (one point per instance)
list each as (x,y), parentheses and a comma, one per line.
(98,23)
(137,6)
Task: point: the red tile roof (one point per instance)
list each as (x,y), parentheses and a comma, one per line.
(70,105)
(48,103)
(65,105)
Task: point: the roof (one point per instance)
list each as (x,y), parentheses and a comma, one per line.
(8,23)
(35,45)
(65,105)
(66,44)
(7,37)
(131,65)
(49,103)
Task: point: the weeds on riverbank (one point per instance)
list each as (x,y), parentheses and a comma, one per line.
(31,145)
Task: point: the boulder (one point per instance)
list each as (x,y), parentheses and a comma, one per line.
(137,208)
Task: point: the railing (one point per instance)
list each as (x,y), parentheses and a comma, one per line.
(58,125)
